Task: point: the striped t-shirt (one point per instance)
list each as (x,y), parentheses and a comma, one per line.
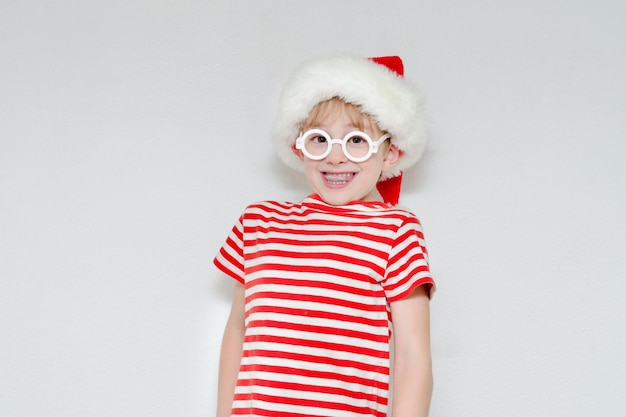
(318,282)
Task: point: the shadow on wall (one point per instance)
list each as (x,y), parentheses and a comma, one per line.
(416,177)
(221,287)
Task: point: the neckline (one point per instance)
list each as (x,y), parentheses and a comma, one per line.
(315,199)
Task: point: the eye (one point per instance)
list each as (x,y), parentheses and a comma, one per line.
(357,141)
(318,139)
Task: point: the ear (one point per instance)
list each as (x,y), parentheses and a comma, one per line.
(297,152)
(391,158)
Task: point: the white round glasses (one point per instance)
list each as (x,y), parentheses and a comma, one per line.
(357,146)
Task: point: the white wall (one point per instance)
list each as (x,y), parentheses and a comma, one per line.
(134,132)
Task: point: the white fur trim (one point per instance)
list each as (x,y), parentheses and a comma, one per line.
(392,102)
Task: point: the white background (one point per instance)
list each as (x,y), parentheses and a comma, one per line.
(133,133)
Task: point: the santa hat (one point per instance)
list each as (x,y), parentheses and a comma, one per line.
(377,87)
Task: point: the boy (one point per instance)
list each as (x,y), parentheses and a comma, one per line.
(318,282)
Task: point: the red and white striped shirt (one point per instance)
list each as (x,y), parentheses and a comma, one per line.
(318,283)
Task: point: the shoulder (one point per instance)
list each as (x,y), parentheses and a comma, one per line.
(271,207)
(405,222)
(400,211)
(401,214)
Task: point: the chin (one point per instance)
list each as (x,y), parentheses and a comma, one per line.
(336,202)
(335,199)
(341,199)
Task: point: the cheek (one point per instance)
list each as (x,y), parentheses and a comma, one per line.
(374,164)
(309,166)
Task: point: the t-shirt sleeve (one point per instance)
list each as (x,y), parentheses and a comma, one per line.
(408,266)
(229,259)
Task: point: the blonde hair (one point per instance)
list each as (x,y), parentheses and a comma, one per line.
(334,107)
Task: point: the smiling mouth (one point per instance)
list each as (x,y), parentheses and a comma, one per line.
(338,179)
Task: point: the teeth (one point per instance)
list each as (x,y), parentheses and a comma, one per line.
(338,178)
(342,175)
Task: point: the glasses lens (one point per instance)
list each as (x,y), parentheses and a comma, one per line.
(315,143)
(357,145)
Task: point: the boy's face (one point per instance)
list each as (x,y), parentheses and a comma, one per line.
(336,179)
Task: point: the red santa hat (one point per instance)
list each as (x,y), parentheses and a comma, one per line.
(377,87)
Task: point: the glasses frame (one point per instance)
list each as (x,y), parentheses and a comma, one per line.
(373,145)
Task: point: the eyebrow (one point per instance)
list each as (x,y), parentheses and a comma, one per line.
(349,126)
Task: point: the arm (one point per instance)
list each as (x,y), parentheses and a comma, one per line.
(230,355)
(412,370)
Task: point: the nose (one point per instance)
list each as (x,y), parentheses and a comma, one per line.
(336,155)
